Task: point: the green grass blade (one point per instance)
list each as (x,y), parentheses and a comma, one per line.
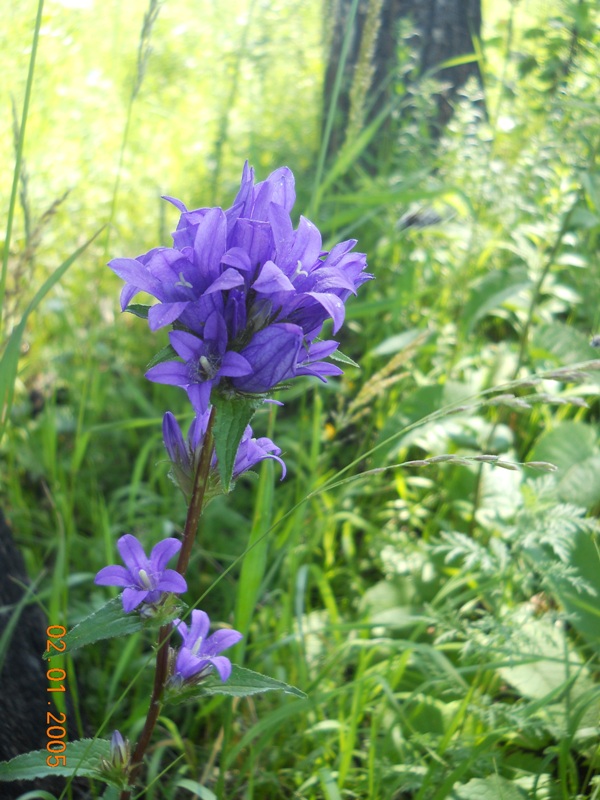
(10,358)
(18,159)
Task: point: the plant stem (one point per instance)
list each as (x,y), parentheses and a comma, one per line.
(164,634)
(197,501)
(160,677)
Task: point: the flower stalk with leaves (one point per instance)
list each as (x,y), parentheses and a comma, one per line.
(246,296)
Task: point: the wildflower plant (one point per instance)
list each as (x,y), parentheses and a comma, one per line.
(246,296)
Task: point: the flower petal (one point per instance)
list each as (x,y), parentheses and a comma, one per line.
(132,553)
(199,394)
(228,280)
(174,201)
(220,640)
(271,280)
(132,598)
(210,242)
(132,271)
(273,354)
(164,314)
(199,627)
(186,345)
(234,365)
(114,575)
(173,373)
(163,552)
(223,666)
(333,305)
(172,581)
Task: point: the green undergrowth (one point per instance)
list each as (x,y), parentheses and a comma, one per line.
(441,617)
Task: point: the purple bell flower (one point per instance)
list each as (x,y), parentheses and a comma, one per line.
(249,294)
(199,652)
(145,579)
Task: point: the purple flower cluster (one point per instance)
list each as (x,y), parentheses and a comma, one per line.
(185,454)
(145,580)
(246,293)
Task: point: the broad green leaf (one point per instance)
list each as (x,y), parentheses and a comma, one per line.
(545,663)
(564,342)
(567,444)
(492,788)
(233,415)
(107,622)
(491,291)
(83,757)
(580,484)
(242,683)
(10,359)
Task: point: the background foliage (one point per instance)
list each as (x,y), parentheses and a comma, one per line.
(443,620)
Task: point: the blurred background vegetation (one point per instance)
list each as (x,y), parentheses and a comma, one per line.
(443,619)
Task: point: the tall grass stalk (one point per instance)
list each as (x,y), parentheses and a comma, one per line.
(19,156)
(337,86)
(223,126)
(364,70)
(143,54)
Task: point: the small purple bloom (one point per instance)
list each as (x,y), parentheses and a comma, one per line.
(247,293)
(144,579)
(199,652)
(184,454)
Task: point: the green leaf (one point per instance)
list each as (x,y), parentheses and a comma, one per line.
(564,342)
(233,415)
(83,757)
(242,683)
(138,310)
(197,789)
(582,606)
(546,663)
(492,788)
(580,484)
(107,622)
(566,445)
(166,354)
(343,359)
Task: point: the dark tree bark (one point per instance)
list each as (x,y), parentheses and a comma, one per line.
(444,29)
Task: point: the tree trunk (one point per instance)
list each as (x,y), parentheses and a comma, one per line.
(443,29)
